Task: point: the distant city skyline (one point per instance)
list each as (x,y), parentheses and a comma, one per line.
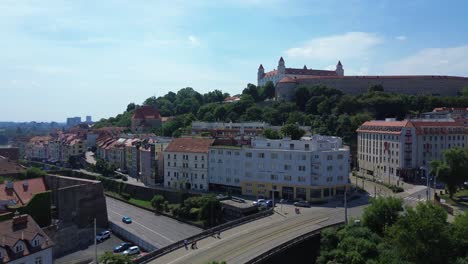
(64,59)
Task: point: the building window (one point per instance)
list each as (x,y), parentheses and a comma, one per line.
(203,177)
(196,165)
(301,179)
(169,156)
(38,260)
(273,177)
(274,155)
(261,155)
(196,157)
(19,248)
(287,177)
(248,154)
(306,146)
(340,178)
(329,168)
(203,166)
(175,156)
(340,156)
(202,157)
(302,168)
(287,167)
(329,157)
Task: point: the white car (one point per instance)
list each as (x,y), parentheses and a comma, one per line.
(103,235)
(259,202)
(132,251)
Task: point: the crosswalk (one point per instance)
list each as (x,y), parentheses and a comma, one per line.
(415,199)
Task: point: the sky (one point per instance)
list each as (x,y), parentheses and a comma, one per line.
(61,59)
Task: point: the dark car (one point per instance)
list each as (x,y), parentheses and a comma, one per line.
(269,203)
(122,247)
(127,220)
(302,204)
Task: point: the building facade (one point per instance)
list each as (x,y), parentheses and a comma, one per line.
(287,79)
(404,149)
(186,163)
(314,168)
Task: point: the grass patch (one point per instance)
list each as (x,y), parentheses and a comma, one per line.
(456,201)
(142,203)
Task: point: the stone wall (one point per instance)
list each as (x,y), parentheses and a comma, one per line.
(69,239)
(78,201)
(412,85)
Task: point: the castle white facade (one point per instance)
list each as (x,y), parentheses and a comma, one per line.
(276,75)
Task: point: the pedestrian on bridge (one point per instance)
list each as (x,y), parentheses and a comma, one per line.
(185,244)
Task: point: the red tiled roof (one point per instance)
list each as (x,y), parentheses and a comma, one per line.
(287,79)
(20,193)
(271,73)
(310,72)
(386,123)
(193,145)
(9,167)
(146,112)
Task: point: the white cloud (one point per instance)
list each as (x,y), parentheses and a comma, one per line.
(194,41)
(345,46)
(401,38)
(432,61)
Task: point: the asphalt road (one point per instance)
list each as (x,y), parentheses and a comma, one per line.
(155,229)
(88,253)
(242,243)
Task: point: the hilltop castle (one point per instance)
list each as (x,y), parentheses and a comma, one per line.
(287,79)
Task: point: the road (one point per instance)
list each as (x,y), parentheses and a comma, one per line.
(155,229)
(242,243)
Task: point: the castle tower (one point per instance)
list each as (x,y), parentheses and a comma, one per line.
(305,67)
(281,67)
(339,69)
(261,72)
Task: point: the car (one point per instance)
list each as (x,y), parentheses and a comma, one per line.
(122,247)
(269,203)
(259,202)
(103,235)
(132,251)
(127,220)
(302,204)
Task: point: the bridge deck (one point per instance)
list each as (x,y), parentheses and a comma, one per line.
(245,242)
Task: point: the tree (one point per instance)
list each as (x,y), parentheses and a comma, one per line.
(210,211)
(33,172)
(460,233)
(422,235)
(111,258)
(292,131)
(457,160)
(252,90)
(269,90)
(271,134)
(382,213)
(130,107)
(157,202)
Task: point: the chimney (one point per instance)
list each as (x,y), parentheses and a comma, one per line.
(20,221)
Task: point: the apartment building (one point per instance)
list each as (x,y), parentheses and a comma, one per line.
(186,163)
(391,148)
(313,168)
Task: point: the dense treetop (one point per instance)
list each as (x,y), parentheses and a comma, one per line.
(327,110)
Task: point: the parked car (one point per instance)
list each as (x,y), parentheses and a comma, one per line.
(103,235)
(127,220)
(132,251)
(122,247)
(269,203)
(302,204)
(259,202)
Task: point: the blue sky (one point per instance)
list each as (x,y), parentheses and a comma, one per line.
(77,58)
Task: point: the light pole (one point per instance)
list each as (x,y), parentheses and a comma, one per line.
(345,207)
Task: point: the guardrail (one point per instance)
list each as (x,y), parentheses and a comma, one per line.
(131,237)
(209,232)
(264,256)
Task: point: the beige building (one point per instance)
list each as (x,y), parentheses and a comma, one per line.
(404,149)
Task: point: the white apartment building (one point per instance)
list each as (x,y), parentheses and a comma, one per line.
(313,168)
(186,163)
(404,149)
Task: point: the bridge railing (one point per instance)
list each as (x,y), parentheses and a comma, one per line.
(207,233)
(264,256)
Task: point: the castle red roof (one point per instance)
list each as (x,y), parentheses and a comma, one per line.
(310,72)
(146,112)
